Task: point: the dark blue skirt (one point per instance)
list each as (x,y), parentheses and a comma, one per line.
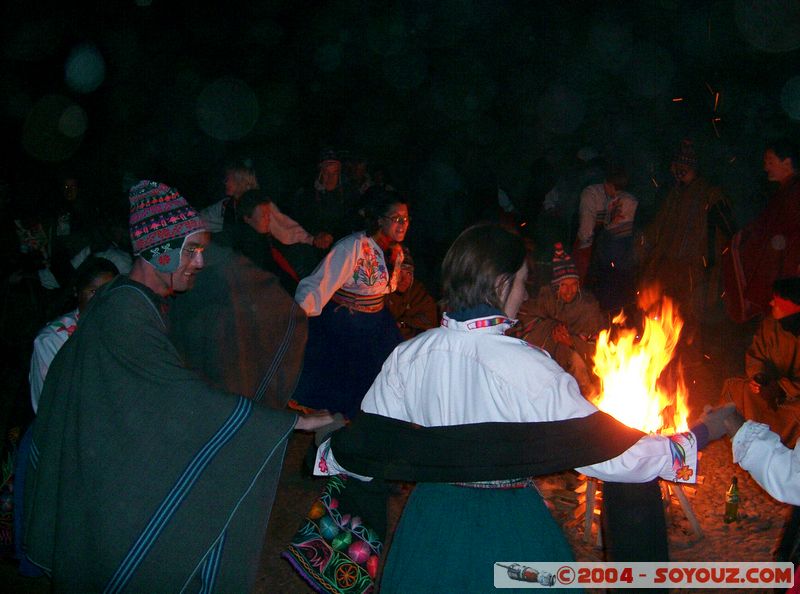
(344,354)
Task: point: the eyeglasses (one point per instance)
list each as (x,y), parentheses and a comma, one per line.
(193,252)
(398,220)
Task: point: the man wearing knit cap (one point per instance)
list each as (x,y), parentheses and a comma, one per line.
(142,476)
(564,320)
(684,243)
(168,236)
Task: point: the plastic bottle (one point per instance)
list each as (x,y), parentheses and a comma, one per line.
(732,502)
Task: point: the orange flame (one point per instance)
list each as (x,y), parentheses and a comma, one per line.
(630,369)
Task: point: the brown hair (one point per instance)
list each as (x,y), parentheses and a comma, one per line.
(248,202)
(378,204)
(478,257)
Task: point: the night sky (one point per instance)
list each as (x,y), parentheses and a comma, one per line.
(440,93)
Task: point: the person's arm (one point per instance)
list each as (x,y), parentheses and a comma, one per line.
(45,348)
(325,463)
(672,458)
(285,229)
(757,356)
(773,466)
(587,212)
(314,291)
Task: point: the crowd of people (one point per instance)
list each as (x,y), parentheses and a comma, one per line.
(182,346)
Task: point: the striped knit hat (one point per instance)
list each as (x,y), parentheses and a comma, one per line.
(563,266)
(159,223)
(686,154)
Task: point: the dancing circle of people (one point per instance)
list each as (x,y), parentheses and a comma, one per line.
(185,346)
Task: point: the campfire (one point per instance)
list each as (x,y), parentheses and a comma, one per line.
(642,386)
(639,383)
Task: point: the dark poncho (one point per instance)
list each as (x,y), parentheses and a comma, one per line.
(240,329)
(141,476)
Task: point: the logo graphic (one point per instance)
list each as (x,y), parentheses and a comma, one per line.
(523,573)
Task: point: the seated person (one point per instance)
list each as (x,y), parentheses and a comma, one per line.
(410,304)
(564,321)
(770,392)
(92,274)
(249,234)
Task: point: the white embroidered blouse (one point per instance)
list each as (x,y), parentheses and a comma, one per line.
(355,264)
(470,372)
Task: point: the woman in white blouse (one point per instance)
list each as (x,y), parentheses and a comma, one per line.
(350,331)
(468,372)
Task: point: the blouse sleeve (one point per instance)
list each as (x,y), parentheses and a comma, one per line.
(45,347)
(314,291)
(673,458)
(285,229)
(773,466)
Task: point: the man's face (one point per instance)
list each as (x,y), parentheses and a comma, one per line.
(259,221)
(191,261)
(777,169)
(683,174)
(232,184)
(405,279)
(568,289)
(329,172)
(70,189)
(782,307)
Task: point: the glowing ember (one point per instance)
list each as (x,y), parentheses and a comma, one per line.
(630,369)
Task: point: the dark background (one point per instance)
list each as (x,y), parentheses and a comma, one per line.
(441,94)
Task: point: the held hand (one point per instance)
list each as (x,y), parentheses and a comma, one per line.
(323,240)
(733,423)
(758,380)
(324,432)
(773,395)
(561,334)
(717,420)
(313,421)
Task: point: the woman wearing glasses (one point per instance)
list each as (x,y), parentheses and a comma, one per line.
(350,331)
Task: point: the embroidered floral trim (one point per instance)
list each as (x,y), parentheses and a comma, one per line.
(370,270)
(489,322)
(680,444)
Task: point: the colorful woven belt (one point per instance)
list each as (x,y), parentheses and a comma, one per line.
(359,303)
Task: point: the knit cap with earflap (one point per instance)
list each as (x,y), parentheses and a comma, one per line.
(160,221)
(563,266)
(686,154)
